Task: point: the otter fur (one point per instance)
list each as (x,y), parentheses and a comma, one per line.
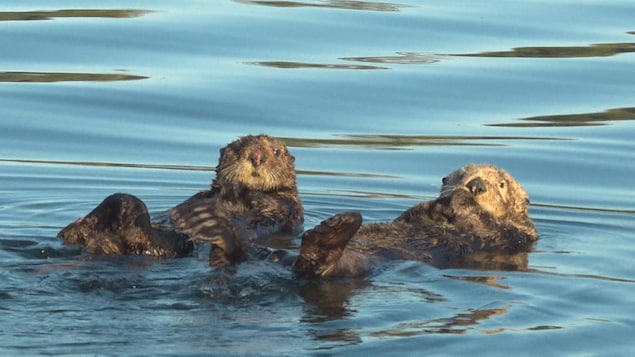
(253,195)
(481,209)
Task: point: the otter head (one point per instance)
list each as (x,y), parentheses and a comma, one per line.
(260,163)
(494,190)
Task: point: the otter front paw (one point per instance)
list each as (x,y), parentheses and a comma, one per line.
(226,250)
(227,247)
(462,198)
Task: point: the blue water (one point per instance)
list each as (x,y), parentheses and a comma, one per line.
(377,101)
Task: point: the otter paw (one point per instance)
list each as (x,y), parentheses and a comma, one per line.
(226,250)
(462,198)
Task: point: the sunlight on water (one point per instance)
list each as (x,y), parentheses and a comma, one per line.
(377,101)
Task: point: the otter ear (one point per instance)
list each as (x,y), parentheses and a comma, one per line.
(221,156)
(232,148)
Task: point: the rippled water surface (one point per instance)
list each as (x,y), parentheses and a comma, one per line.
(377,101)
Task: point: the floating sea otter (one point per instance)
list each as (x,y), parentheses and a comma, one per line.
(253,195)
(481,210)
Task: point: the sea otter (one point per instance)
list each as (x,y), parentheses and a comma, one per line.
(481,209)
(254,191)
(254,195)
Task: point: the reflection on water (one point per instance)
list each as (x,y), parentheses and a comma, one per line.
(182,167)
(578,279)
(585,276)
(394,142)
(49,15)
(335,4)
(584,119)
(584,208)
(594,50)
(356,141)
(295,65)
(47,77)
(457,324)
(400,58)
(489,261)
(111,164)
(328,300)
(492,281)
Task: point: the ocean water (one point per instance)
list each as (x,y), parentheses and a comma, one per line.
(377,101)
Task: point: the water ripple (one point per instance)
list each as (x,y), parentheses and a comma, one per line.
(583,119)
(593,50)
(47,77)
(399,58)
(77,13)
(334,4)
(296,65)
(392,142)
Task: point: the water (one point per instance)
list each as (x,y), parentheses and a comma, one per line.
(377,101)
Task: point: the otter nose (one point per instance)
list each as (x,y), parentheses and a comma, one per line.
(476,186)
(256,158)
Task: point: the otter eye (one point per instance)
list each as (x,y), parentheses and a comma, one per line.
(444,180)
(502,184)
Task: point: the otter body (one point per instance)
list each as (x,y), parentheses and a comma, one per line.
(254,195)
(481,210)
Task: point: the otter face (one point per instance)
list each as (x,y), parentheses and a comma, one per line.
(260,163)
(496,191)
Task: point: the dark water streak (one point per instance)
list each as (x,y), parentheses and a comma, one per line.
(48,77)
(593,50)
(568,120)
(333,4)
(71,13)
(296,65)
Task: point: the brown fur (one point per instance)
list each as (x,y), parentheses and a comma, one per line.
(120,225)
(499,201)
(254,192)
(254,195)
(481,211)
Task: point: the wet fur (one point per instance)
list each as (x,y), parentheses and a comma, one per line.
(120,225)
(480,213)
(253,196)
